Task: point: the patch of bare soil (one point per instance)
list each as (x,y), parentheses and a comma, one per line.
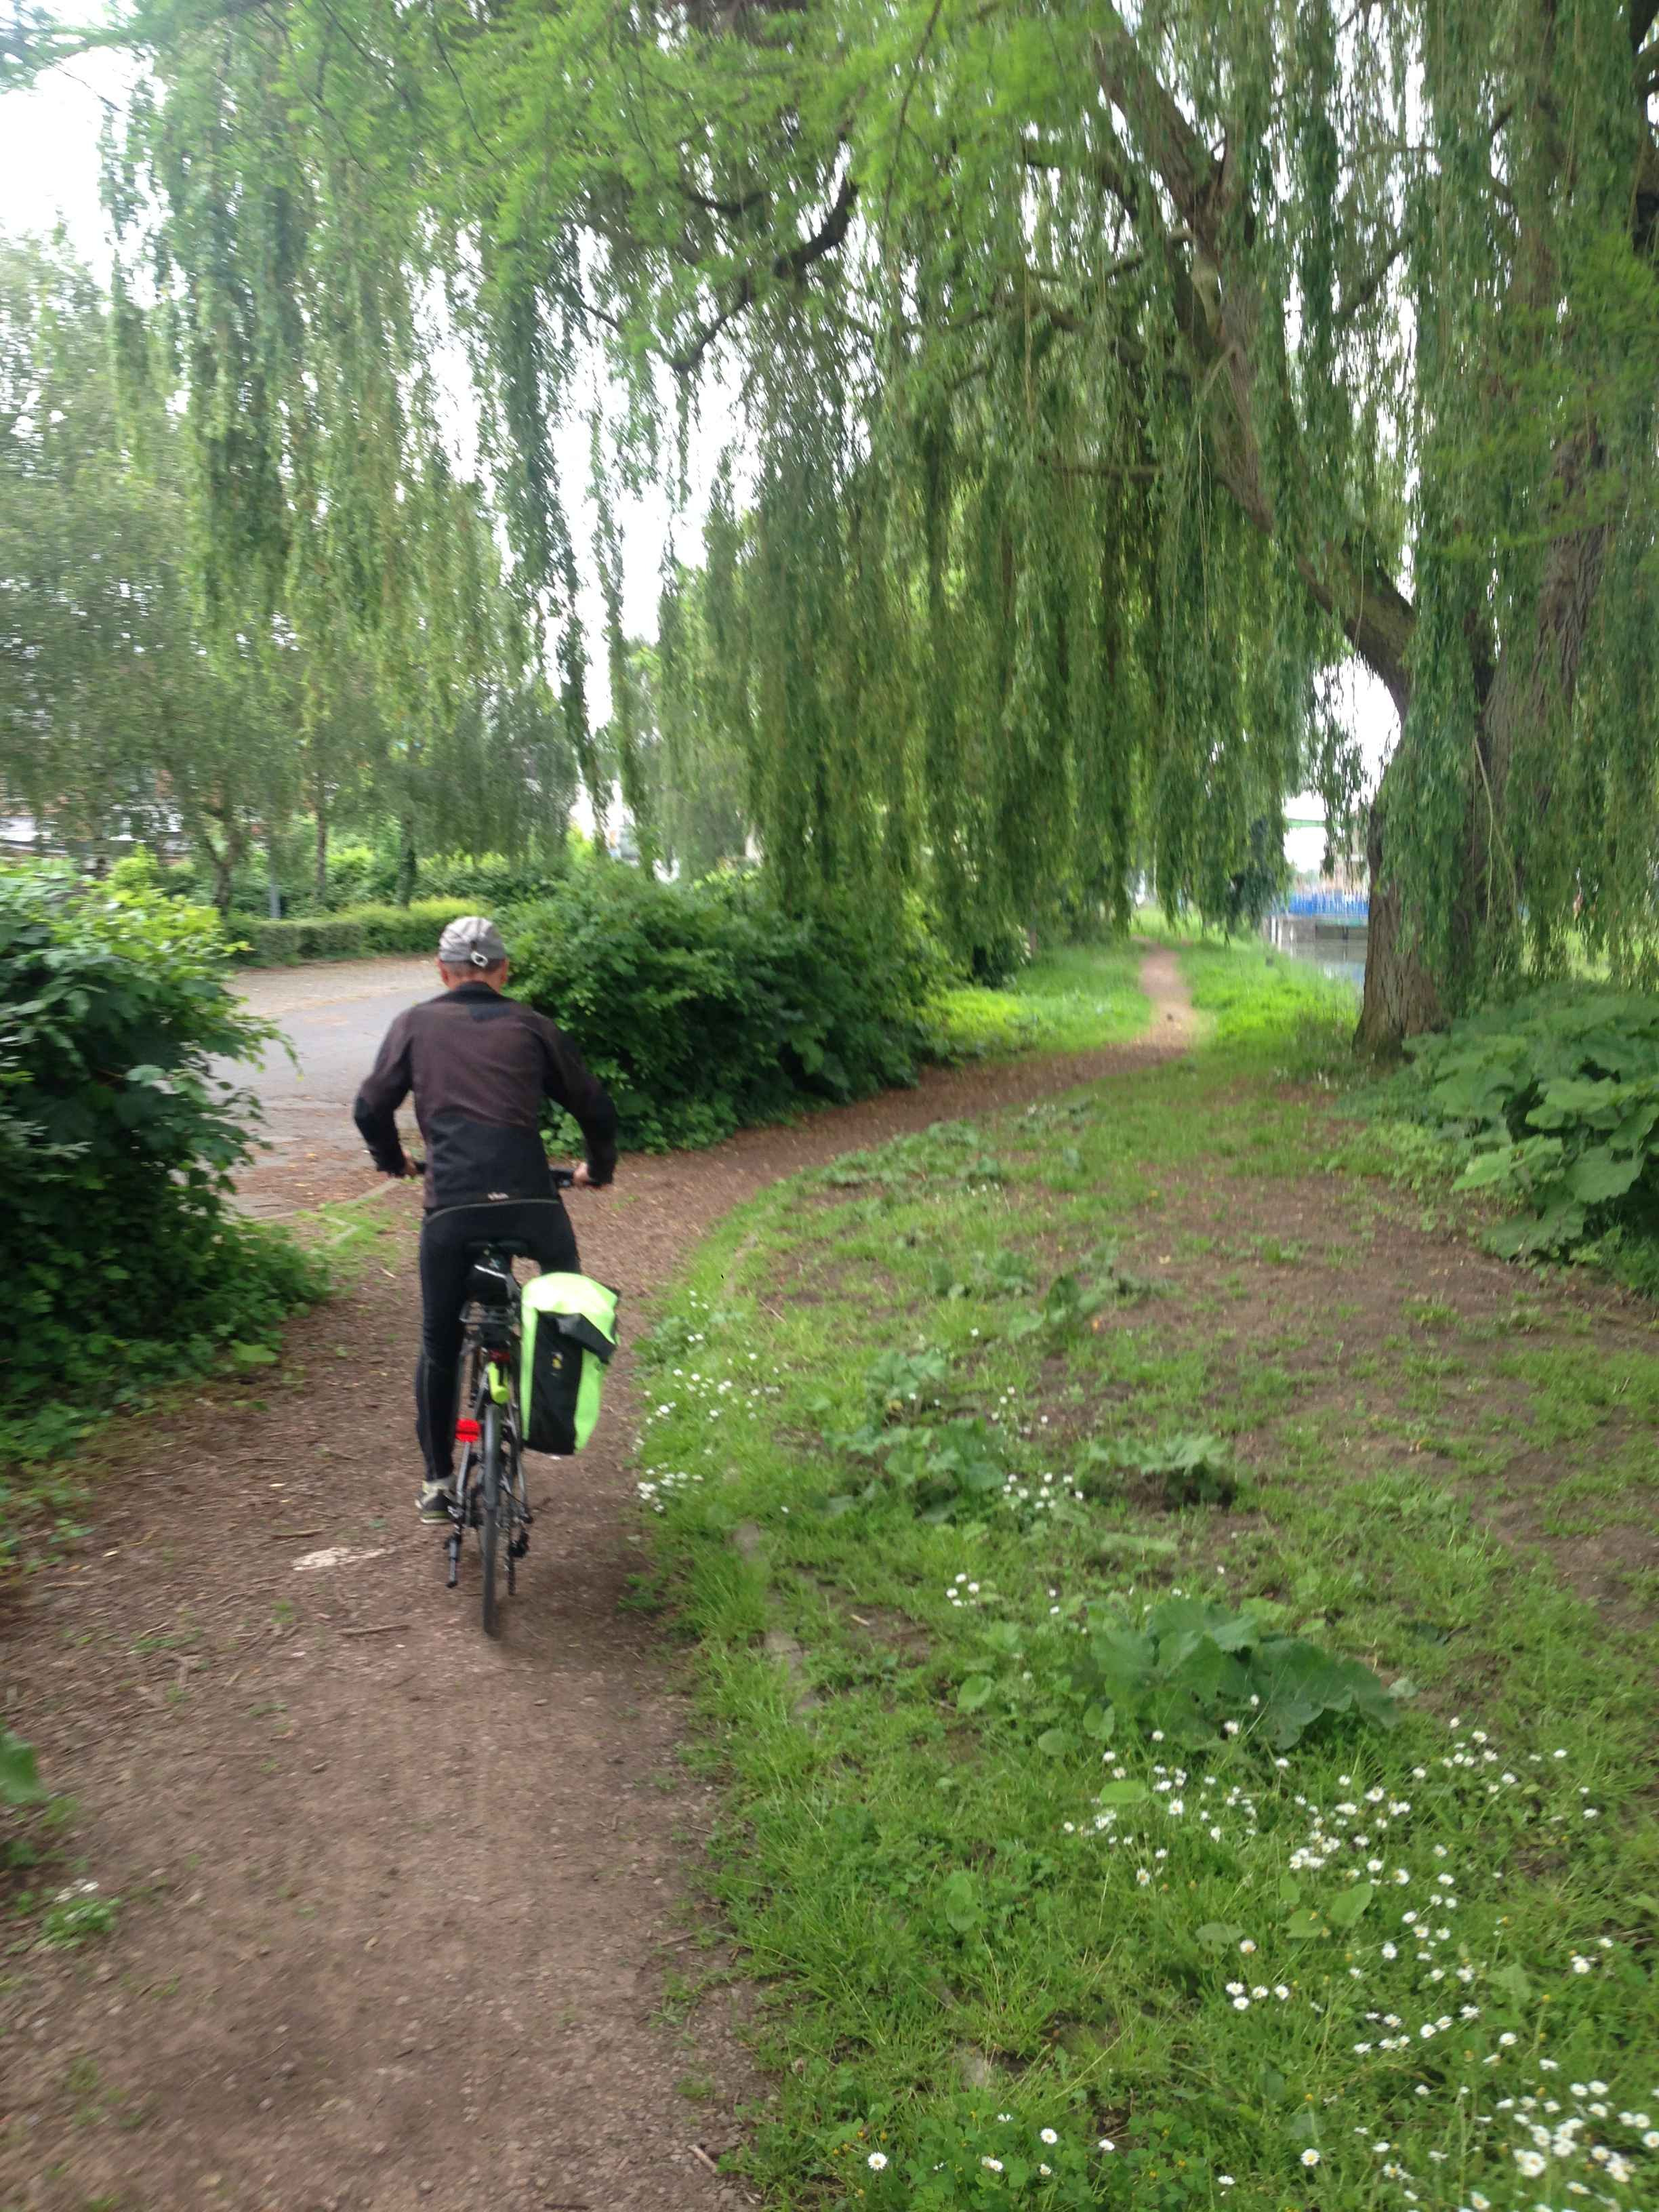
(1406,1335)
(397,1903)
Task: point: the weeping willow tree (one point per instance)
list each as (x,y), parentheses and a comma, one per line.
(1109,377)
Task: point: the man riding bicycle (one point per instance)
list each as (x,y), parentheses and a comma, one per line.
(481,1067)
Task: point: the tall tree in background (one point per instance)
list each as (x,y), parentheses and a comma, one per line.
(1324,330)
(111,715)
(143,689)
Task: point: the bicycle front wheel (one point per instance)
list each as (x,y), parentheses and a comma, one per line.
(493,1498)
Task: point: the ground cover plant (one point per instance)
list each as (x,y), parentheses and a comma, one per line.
(1177,1632)
(1552,1102)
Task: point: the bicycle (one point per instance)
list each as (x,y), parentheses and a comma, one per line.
(489,1491)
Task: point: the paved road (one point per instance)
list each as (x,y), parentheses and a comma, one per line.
(334,1014)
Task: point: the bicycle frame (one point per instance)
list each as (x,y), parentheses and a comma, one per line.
(491,1330)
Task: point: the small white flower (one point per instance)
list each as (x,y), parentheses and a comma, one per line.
(1311,2158)
(1224,2181)
(877,2160)
(1048,2136)
(1106,2143)
(992,2164)
(1530,2163)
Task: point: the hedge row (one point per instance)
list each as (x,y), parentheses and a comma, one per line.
(117,1141)
(350,935)
(706,1009)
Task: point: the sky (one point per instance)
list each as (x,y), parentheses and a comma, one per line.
(49,172)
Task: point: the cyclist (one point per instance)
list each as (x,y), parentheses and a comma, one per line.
(481,1067)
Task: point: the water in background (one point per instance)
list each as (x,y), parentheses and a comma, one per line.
(1327,929)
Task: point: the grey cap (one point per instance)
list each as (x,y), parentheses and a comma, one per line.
(471,942)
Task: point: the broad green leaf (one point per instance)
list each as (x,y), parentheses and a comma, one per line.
(1219,1935)
(959,1895)
(1345,1908)
(1114,1794)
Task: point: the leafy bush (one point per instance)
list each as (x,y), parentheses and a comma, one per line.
(117,1141)
(488,881)
(1189,1470)
(1555,1101)
(1185,1672)
(705,1009)
(349,936)
(366,875)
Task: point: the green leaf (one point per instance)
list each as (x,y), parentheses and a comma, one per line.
(1219,1935)
(1304,1925)
(1343,1911)
(1056,1742)
(252,1355)
(1123,1793)
(978,1690)
(1599,1175)
(1513,1981)
(959,1896)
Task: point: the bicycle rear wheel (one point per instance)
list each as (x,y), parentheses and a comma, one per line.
(490,1545)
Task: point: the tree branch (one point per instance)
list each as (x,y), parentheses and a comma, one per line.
(1219,322)
(1370,284)
(792,264)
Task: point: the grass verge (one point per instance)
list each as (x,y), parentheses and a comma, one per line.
(1076,999)
(1171,1625)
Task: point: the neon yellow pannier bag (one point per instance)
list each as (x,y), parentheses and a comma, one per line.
(569,1335)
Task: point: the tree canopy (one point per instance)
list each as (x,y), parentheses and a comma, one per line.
(145,684)
(1108,376)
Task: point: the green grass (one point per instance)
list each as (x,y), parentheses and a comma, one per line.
(895,1413)
(1075,1000)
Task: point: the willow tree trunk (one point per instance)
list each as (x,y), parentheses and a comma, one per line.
(406,863)
(1401,997)
(1533,685)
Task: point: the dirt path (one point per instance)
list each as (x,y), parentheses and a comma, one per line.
(399,1905)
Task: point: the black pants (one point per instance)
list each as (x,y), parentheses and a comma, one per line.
(446,1239)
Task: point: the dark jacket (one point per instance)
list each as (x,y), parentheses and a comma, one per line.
(481,1067)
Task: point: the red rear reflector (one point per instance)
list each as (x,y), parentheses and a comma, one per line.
(467,1433)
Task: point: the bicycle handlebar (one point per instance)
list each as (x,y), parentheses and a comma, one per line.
(563,1178)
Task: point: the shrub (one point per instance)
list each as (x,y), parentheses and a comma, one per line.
(1554,1099)
(487,881)
(705,1009)
(348,936)
(117,1141)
